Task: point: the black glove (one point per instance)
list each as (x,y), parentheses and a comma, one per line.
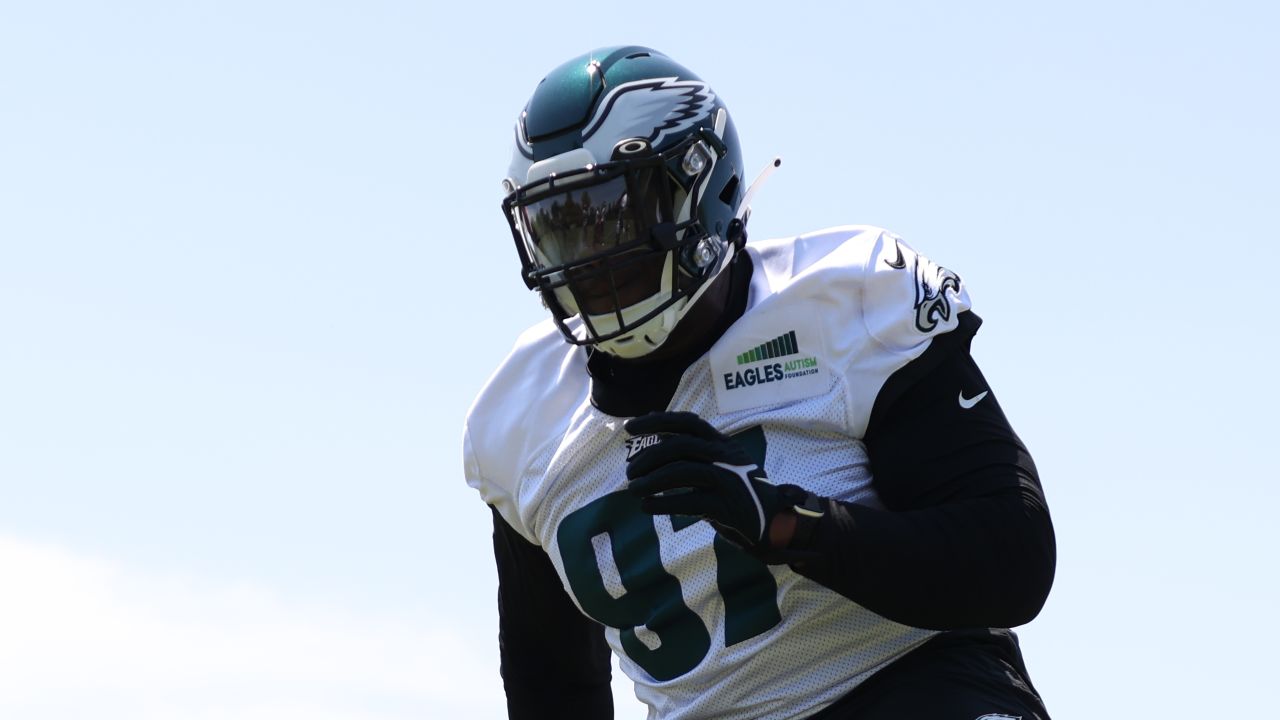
(694,469)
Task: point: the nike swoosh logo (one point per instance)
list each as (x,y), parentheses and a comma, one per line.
(967,403)
(899,262)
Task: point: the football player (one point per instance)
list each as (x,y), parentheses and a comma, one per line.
(768,476)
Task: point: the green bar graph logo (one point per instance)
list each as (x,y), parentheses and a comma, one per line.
(781,346)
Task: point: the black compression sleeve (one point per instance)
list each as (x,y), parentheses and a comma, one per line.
(555,662)
(966,540)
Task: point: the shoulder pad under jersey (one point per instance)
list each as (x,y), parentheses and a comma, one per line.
(527,403)
(879,303)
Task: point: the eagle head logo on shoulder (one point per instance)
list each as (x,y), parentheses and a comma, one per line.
(933,283)
(649,109)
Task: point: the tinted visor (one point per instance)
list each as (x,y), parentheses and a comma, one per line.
(602,231)
(578,218)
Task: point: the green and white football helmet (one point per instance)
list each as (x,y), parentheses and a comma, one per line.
(623,196)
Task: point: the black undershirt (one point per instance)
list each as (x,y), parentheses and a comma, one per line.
(965,540)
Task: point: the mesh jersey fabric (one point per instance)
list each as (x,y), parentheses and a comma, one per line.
(701,631)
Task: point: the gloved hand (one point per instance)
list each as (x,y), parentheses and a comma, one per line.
(694,469)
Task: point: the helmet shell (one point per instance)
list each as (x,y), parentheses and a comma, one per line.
(587,112)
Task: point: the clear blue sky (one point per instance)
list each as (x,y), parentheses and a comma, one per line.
(252,272)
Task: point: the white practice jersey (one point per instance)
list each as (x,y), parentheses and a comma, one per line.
(705,630)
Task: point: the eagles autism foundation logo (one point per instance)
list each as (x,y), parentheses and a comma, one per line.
(755,368)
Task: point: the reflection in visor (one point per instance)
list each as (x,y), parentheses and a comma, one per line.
(584,221)
(600,242)
(596,236)
(577,224)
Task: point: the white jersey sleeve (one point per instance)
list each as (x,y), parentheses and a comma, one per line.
(907,300)
(860,300)
(524,406)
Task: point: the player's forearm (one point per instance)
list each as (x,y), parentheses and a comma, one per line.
(555,663)
(966,540)
(980,562)
(553,678)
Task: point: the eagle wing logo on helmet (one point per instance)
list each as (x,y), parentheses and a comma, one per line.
(649,109)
